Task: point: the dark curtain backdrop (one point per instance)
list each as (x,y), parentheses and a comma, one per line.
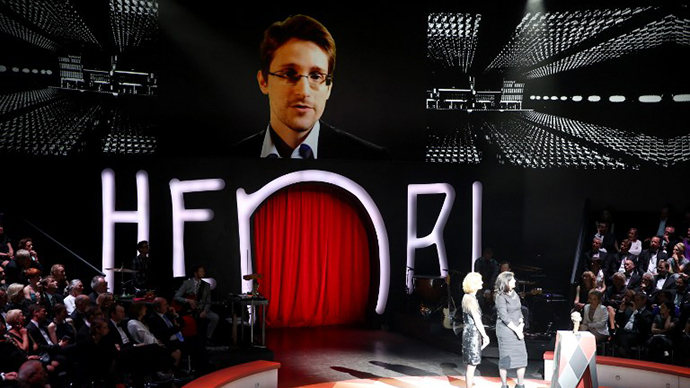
(313,252)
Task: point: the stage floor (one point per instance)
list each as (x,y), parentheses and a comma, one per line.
(336,354)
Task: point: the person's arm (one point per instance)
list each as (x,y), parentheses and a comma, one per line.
(577,303)
(502,312)
(179,295)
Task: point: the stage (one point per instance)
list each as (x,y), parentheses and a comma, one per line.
(328,354)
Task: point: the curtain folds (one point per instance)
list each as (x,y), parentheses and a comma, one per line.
(313,252)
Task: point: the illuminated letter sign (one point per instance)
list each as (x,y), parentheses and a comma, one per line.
(180,215)
(111,217)
(248,203)
(436,235)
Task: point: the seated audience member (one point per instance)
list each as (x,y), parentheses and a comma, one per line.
(98,286)
(165,324)
(11,357)
(608,239)
(632,277)
(95,356)
(57,271)
(633,322)
(140,359)
(74,289)
(677,262)
(669,240)
(81,303)
(618,260)
(665,280)
(105,300)
(616,293)
(664,332)
(32,291)
(582,292)
(32,374)
(16,331)
(38,333)
(50,296)
(3,282)
(649,258)
(28,244)
(141,334)
(686,243)
(599,273)
(15,269)
(91,313)
(63,328)
(15,298)
(595,317)
(591,255)
(635,243)
(6,250)
(3,304)
(648,287)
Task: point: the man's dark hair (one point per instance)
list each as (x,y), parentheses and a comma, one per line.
(301,27)
(196,267)
(141,244)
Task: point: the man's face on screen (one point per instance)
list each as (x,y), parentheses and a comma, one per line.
(296,106)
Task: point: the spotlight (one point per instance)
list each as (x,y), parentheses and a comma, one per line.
(617,98)
(681,98)
(594,98)
(564,98)
(577,98)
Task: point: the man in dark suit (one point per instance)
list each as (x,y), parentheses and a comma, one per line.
(99,286)
(634,323)
(164,324)
(664,280)
(81,303)
(38,333)
(297,63)
(618,259)
(649,258)
(632,277)
(50,295)
(594,254)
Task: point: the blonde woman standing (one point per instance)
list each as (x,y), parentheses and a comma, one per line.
(474,338)
(512,351)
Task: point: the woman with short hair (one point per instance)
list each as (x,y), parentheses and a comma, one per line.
(509,325)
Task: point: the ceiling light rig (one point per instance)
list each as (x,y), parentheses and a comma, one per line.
(452,39)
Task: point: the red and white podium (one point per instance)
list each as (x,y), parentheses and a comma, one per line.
(575,360)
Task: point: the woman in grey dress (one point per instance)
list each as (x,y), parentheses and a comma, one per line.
(474,338)
(509,324)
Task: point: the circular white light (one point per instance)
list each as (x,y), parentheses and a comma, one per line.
(617,98)
(681,98)
(2,69)
(49,72)
(35,71)
(538,97)
(651,98)
(531,97)
(594,98)
(25,70)
(554,98)
(15,69)
(546,97)
(564,98)
(577,98)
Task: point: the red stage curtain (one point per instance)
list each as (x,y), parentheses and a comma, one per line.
(312,250)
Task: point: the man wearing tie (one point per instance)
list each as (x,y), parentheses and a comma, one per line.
(634,323)
(297,63)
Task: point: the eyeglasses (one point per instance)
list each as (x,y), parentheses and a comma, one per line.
(315,79)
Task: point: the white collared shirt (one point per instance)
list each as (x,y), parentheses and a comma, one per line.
(312,140)
(125,339)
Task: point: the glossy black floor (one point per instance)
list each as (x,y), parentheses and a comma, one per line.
(336,353)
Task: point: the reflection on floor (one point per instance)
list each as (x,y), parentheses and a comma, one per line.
(330,354)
